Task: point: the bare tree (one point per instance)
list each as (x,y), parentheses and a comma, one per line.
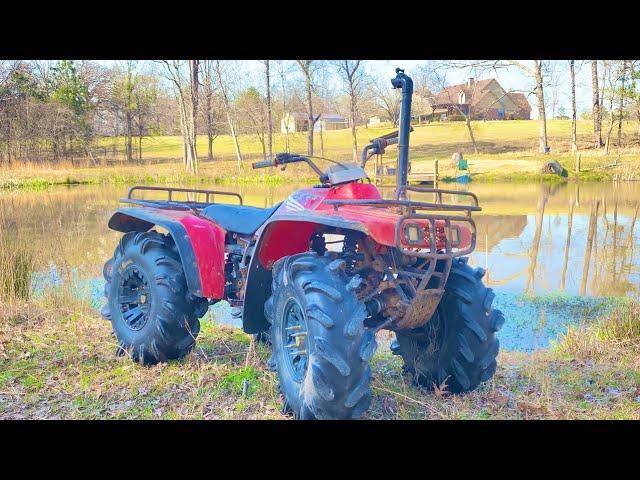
(621,95)
(209,90)
(308,68)
(225,83)
(572,71)
(352,76)
(254,113)
(596,108)
(267,79)
(123,100)
(282,67)
(538,76)
(185,86)
(613,72)
(387,99)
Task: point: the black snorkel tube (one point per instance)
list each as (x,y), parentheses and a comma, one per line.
(406,84)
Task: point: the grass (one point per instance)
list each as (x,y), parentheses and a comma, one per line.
(507,151)
(59,362)
(17,265)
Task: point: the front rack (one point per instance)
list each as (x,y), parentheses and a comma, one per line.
(178,204)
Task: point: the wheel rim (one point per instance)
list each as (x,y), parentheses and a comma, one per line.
(294,340)
(134,298)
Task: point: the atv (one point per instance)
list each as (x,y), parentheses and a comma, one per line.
(318,275)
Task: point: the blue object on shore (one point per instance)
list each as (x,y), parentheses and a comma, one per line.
(463,178)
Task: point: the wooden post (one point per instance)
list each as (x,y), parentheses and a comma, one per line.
(578,155)
(435,172)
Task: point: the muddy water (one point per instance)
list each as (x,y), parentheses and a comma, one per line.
(534,240)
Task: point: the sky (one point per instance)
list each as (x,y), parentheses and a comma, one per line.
(510,79)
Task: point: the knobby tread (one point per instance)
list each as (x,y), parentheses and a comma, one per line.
(337,380)
(173,325)
(464,347)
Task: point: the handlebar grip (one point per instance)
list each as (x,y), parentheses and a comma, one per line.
(263,164)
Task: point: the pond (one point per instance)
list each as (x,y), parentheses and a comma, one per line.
(533,240)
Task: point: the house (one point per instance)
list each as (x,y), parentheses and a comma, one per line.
(482,100)
(299,122)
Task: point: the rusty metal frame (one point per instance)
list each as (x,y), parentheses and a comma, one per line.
(414,285)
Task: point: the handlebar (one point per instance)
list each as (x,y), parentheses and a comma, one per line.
(263,164)
(280,159)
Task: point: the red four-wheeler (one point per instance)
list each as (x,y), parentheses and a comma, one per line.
(318,275)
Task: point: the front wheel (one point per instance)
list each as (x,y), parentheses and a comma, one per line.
(321,349)
(458,346)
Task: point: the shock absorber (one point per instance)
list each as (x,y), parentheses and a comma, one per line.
(349,254)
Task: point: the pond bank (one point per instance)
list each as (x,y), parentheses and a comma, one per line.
(227,172)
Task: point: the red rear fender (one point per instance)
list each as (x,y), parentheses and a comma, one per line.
(200,243)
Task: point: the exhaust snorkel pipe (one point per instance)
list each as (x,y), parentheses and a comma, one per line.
(406,84)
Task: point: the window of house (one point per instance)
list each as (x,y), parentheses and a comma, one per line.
(461,98)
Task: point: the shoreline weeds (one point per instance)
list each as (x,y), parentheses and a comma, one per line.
(41,182)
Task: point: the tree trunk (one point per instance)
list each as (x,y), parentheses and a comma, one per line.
(621,104)
(473,139)
(194,66)
(310,111)
(227,108)
(607,142)
(267,76)
(353,124)
(574,141)
(542,119)
(209,118)
(128,135)
(596,110)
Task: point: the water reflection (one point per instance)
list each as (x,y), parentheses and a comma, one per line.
(557,243)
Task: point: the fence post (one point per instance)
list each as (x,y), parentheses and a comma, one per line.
(435,172)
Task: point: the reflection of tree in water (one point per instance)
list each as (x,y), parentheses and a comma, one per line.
(614,256)
(607,257)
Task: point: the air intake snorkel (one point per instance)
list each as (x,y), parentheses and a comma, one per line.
(406,84)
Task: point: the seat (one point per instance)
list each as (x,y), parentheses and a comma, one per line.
(239,218)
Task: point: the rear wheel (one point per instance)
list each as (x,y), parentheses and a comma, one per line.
(154,317)
(457,347)
(321,349)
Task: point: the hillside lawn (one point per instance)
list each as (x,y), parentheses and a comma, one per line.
(507,151)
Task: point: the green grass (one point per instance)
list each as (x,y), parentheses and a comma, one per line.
(60,363)
(507,151)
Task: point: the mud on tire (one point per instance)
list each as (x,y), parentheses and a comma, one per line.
(458,345)
(165,324)
(335,382)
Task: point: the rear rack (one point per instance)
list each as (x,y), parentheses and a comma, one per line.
(177,204)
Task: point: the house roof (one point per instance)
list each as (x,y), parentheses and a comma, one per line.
(520,100)
(475,93)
